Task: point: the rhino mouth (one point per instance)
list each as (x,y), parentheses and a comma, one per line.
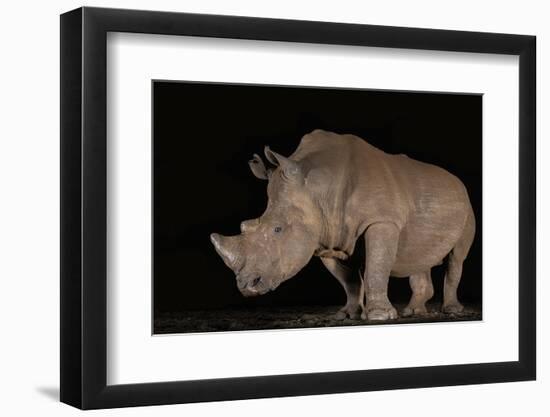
(253,286)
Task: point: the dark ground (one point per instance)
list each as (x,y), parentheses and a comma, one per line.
(287,318)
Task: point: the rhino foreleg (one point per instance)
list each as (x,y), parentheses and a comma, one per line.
(422,291)
(352,286)
(381,240)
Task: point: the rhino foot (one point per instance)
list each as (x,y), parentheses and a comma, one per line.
(414,311)
(353,312)
(380,313)
(453,308)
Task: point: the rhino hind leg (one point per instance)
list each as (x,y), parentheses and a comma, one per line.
(422,291)
(381,242)
(352,286)
(451,305)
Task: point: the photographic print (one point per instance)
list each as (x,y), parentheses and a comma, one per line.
(279,207)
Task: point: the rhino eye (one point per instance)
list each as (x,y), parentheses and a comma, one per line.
(278,229)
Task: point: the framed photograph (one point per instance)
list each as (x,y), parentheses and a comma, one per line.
(257,208)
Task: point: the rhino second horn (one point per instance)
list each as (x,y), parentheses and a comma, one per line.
(226,249)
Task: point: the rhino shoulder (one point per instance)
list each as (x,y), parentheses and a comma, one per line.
(325,141)
(316,138)
(328,136)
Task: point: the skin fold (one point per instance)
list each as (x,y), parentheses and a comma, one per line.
(335,189)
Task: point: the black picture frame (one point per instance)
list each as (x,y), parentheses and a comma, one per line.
(84,190)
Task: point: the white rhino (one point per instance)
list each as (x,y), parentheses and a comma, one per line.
(335,189)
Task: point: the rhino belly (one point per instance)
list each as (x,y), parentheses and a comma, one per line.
(430,234)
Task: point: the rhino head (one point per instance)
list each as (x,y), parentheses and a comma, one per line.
(274,247)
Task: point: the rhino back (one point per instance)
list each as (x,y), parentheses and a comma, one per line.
(357,184)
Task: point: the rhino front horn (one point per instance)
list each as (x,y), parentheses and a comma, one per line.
(227,249)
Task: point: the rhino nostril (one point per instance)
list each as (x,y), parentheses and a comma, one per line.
(256,281)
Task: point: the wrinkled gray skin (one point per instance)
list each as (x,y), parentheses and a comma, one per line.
(335,189)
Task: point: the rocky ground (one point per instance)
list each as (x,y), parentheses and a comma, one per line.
(286,318)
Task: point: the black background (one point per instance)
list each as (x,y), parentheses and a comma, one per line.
(203,136)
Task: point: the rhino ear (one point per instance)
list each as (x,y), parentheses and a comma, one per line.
(271,156)
(290,169)
(258,168)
